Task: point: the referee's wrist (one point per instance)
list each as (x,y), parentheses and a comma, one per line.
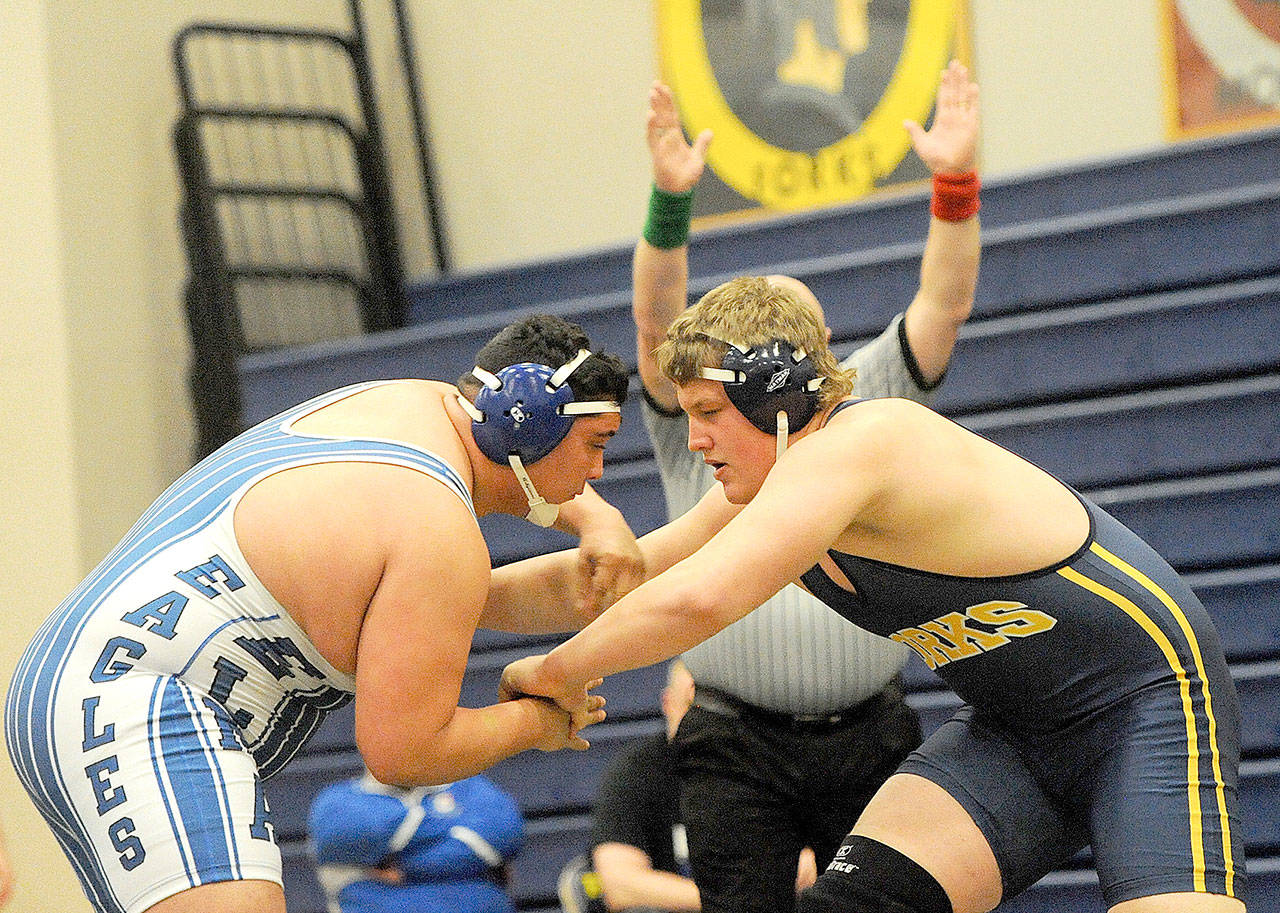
(667,225)
(955,195)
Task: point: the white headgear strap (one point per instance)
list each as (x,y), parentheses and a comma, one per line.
(541,512)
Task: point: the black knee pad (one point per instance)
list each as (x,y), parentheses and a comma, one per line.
(868,877)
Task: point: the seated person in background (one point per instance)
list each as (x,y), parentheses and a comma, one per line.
(639,851)
(430,849)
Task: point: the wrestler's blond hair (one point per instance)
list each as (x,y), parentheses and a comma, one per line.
(749,311)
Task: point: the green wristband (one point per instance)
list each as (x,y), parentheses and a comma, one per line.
(668,224)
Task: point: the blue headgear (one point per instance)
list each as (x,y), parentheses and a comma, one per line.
(522,413)
(774,385)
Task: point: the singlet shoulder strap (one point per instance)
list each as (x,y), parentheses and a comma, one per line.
(276,444)
(841,406)
(820,584)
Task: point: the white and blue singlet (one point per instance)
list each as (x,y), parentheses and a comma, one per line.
(151,704)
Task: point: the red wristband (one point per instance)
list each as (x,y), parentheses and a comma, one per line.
(955,196)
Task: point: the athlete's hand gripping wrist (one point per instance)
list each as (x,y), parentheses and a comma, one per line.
(527,677)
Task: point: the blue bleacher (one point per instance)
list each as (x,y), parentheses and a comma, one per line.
(1210,166)
(1126,337)
(1015,278)
(1148,341)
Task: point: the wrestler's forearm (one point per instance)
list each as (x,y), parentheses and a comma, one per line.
(586,512)
(534,596)
(656,621)
(650,888)
(472,741)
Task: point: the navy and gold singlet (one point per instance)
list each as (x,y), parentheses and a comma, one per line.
(1100,710)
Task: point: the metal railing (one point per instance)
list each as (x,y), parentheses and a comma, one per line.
(288,214)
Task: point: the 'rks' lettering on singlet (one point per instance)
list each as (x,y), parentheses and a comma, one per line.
(980,629)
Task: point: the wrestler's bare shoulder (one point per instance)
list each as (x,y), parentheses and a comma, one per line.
(356,518)
(881,427)
(410,411)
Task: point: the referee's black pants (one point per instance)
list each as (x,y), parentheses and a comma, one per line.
(757,787)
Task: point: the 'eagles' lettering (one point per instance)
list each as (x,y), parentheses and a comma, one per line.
(227,738)
(162,613)
(262,828)
(108,667)
(278,655)
(225,677)
(204,576)
(98,773)
(127,844)
(89,707)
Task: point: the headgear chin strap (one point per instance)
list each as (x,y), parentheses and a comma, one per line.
(521,414)
(774,385)
(541,512)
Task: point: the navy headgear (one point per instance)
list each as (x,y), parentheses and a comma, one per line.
(774,385)
(522,413)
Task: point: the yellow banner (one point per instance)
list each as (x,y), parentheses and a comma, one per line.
(807,97)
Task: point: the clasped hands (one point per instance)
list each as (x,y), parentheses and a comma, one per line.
(526,677)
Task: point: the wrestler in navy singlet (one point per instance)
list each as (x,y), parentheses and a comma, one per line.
(1100,710)
(148,708)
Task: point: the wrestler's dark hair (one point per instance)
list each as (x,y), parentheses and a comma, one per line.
(552,341)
